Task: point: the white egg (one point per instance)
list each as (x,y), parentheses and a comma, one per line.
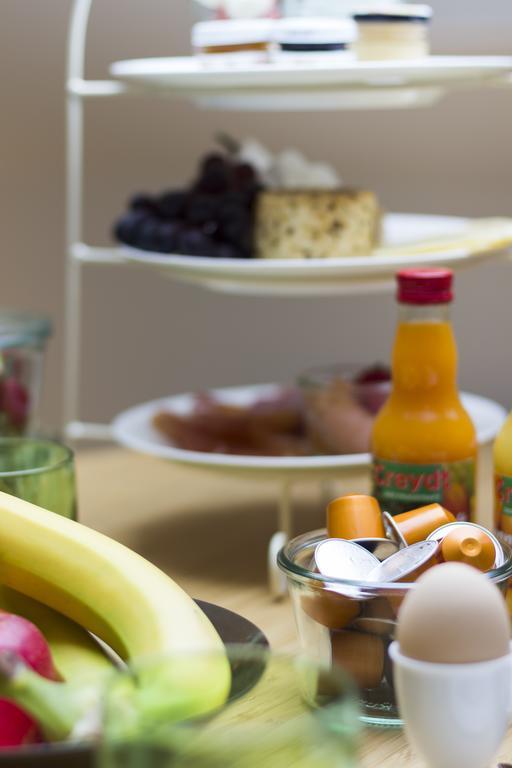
(454,615)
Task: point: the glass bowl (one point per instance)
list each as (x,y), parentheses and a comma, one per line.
(353,623)
(281,711)
(340,409)
(22,342)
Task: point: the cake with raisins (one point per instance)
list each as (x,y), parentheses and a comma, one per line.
(318,224)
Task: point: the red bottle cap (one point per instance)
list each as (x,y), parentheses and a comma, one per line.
(425,286)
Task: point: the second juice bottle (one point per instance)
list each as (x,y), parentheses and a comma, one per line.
(424,443)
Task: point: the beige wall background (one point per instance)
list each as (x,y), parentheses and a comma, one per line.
(145,337)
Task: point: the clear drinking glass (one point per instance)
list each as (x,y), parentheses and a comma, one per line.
(40,471)
(282,712)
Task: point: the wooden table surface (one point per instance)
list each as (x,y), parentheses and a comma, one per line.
(210,533)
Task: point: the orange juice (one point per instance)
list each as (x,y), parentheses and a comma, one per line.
(503,478)
(424,443)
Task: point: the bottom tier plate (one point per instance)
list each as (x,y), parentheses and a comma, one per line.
(133,429)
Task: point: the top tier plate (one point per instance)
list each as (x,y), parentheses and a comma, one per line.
(284,86)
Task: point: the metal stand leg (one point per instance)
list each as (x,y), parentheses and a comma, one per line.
(277,579)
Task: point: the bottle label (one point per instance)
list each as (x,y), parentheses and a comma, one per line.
(503,486)
(402,487)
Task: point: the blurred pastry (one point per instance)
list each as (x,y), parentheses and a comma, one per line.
(316,224)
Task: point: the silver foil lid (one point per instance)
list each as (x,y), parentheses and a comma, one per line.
(404,563)
(342,559)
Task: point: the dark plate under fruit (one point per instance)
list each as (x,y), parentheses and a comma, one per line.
(233,629)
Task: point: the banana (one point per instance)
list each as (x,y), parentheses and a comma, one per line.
(127,602)
(77,656)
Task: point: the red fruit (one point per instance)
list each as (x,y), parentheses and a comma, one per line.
(372,387)
(376,373)
(25,640)
(15,402)
(16,727)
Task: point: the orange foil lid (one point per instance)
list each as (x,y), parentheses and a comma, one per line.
(355,517)
(470,545)
(417,525)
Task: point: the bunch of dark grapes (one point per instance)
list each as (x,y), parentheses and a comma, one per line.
(214,217)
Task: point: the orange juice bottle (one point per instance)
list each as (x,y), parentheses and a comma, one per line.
(503,478)
(424,443)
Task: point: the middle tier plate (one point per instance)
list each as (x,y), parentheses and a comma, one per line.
(409,240)
(133,429)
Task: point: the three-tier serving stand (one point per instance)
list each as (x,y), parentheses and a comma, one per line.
(359,87)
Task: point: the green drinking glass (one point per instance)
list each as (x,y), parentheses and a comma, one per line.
(41,471)
(282,712)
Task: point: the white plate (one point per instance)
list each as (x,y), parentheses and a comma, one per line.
(283,86)
(190,74)
(316,100)
(408,240)
(133,429)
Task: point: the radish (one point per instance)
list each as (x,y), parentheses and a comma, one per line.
(21,637)
(16,727)
(25,640)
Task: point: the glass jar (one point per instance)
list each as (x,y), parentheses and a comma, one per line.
(22,343)
(353,623)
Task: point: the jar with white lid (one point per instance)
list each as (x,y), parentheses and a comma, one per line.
(309,39)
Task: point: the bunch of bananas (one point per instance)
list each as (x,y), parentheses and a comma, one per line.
(71,581)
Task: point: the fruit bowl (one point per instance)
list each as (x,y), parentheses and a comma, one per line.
(233,629)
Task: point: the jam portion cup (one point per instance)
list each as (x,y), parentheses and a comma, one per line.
(353,623)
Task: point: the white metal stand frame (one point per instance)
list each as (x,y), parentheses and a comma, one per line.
(78,254)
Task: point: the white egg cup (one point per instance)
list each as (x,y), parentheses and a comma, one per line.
(454,714)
